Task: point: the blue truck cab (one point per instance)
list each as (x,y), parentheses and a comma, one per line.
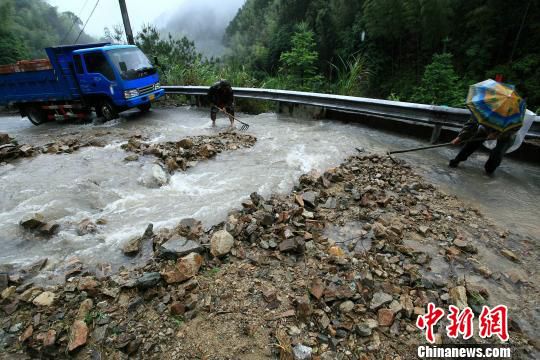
(106,78)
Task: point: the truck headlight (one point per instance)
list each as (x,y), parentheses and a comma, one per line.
(157,86)
(128,94)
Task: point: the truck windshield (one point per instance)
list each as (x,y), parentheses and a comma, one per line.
(131,63)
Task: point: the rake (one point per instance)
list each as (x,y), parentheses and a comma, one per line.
(244,126)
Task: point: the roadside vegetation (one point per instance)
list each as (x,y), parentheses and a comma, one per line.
(410,50)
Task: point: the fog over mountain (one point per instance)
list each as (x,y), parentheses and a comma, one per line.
(203,21)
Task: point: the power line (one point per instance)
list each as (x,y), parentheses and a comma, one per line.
(74,21)
(92,13)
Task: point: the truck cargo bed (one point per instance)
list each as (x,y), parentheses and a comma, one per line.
(32,86)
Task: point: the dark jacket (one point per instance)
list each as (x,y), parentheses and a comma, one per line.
(473,129)
(221,94)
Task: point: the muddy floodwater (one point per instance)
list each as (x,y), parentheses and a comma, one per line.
(97,183)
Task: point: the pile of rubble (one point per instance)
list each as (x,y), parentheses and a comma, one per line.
(10,150)
(185,153)
(284,276)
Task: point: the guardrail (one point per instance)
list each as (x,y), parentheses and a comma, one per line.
(438,116)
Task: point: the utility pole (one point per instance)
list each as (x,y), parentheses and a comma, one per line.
(127,25)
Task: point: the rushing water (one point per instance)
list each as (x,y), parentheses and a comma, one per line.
(96,183)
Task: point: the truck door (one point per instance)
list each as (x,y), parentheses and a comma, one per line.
(99,75)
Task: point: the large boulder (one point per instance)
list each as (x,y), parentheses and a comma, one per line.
(154,176)
(186,268)
(221,243)
(32,221)
(178,246)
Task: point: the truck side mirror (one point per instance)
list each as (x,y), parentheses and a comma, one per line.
(156,61)
(123,66)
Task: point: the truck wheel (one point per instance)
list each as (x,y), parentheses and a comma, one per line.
(107,110)
(36,115)
(145,107)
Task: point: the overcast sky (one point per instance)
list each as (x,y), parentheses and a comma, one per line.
(140,12)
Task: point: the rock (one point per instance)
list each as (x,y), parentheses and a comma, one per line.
(458,296)
(86,226)
(363,330)
(385,317)
(78,335)
(3,281)
(379,299)
(336,251)
(44,299)
(185,143)
(317,288)
(148,280)
(26,334)
(221,243)
(48,338)
(132,157)
(16,327)
(133,346)
(4,139)
(310,198)
(30,294)
(186,268)
(133,246)
(395,306)
(267,220)
(346,306)
(294,245)
(465,246)
(302,352)
(8,292)
(510,255)
(32,221)
(177,247)
(379,230)
(303,308)
(207,151)
(190,228)
(84,309)
(177,308)
(423,230)
(88,284)
(330,203)
(153,176)
(49,229)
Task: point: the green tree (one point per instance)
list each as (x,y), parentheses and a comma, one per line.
(12,47)
(300,63)
(440,84)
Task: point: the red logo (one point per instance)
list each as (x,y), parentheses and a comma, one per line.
(460,323)
(491,322)
(494,322)
(429,320)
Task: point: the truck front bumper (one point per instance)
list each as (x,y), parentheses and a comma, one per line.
(143,99)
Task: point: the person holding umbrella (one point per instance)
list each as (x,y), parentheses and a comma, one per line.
(497,114)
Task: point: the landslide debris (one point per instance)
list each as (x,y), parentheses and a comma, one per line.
(183,154)
(10,150)
(324,272)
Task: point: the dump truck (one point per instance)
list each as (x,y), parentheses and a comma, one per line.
(78,79)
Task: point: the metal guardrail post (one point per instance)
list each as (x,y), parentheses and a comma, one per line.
(436,133)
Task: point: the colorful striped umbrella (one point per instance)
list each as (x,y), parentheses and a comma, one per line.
(496,105)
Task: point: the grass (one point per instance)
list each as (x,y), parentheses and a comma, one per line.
(212,272)
(177,320)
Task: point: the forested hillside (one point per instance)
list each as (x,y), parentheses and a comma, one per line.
(27,26)
(418,50)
